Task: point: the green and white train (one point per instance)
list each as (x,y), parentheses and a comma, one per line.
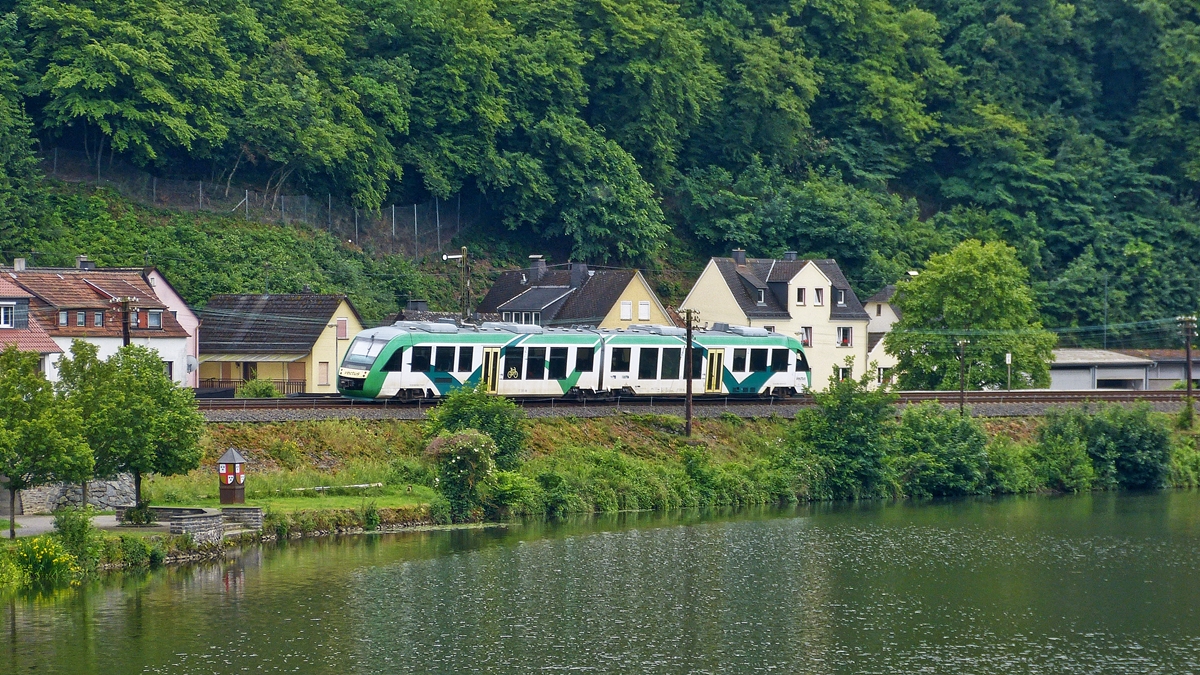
(417,360)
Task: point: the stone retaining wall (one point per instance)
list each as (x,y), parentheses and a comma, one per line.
(102,494)
(250,517)
(205,528)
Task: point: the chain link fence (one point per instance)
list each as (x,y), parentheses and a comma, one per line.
(414,230)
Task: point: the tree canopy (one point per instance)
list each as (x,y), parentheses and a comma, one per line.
(972,304)
(873,131)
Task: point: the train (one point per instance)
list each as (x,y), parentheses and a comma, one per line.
(428,360)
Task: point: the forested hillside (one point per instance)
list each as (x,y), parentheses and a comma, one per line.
(875,132)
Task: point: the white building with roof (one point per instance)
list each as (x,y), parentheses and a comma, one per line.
(1076,369)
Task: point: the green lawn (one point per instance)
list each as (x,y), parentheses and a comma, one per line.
(382,498)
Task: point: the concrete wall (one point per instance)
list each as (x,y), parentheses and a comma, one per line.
(174,350)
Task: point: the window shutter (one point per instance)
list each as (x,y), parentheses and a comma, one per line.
(21,315)
(626,310)
(643,310)
(343,328)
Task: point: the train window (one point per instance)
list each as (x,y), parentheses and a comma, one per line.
(512,362)
(779,360)
(697,363)
(363,352)
(558,363)
(421,358)
(466,359)
(758,360)
(584,358)
(443,361)
(620,359)
(395,362)
(535,365)
(739,361)
(648,363)
(670,363)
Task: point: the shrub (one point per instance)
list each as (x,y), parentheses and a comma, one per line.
(938,453)
(141,514)
(10,574)
(440,511)
(44,560)
(1185,462)
(369,514)
(465,462)
(411,471)
(556,494)
(285,452)
(73,527)
(257,389)
(1060,458)
(474,408)
(1009,466)
(512,494)
(1128,447)
(849,427)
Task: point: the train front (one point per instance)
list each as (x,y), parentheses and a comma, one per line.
(361,373)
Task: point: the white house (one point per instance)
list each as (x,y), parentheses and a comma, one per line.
(809,299)
(883,314)
(85,303)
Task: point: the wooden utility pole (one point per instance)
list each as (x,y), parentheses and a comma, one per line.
(464,281)
(687,370)
(962,377)
(125,302)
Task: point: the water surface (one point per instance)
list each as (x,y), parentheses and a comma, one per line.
(1087,584)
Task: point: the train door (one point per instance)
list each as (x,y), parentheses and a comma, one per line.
(491,368)
(716,367)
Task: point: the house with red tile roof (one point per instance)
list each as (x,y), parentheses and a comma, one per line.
(87,303)
(18,328)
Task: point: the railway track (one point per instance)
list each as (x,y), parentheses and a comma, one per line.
(972,397)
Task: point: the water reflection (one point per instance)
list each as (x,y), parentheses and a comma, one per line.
(1094,583)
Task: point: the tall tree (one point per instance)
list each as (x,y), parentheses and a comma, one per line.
(41,439)
(974,301)
(136,419)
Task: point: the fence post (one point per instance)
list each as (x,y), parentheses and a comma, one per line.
(247,204)
(55,161)
(415,254)
(283,209)
(356,225)
(201,184)
(330,198)
(153,188)
(437,214)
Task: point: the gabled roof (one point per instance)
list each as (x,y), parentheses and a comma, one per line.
(72,289)
(737,277)
(267,324)
(31,339)
(11,291)
(554,297)
(884,294)
(760,273)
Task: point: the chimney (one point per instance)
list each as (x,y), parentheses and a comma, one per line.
(789,255)
(18,264)
(537,268)
(417,306)
(82,262)
(739,256)
(579,274)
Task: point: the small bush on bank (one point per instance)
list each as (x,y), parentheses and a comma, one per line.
(369,514)
(1009,467)
(936,453)
(1060,459)
(1185,462)
(1128,447)
(141,514)
(411,471)
(465,462)
(257,389)
(512,494)
(473,408)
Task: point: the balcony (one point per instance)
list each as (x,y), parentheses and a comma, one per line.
(284,386)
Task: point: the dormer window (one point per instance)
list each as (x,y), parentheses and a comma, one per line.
(8,316)
(62,317)
(134,319)
(80,318)
(762,297)
(155,318)
(841,298)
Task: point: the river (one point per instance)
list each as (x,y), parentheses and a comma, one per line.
(1099,583)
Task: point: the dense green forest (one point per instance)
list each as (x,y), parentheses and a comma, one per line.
(626,131)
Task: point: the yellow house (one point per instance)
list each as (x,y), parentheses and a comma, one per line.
(573,295)
(295,340)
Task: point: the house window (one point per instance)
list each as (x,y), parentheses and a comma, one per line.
(537,318)
(739,361)
(643,310)
(506,317)
(671,357)
(154,318)
(466,359)
(169,369)
(769,329)
(758,360)
(844,374)
(80,318)
(620,359)
(584,357)
(526,317)
(648,363)
(535,365)
(841,298)
(762,297)
(627,310)
(62,318)
(806,336)
(884,375)
(98,319)
(845,336)
(134,321)
(799,296)
(323,372)
(879,309)
(558,363)
(819,299)
(8,316)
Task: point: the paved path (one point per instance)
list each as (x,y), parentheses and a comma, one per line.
(31,526)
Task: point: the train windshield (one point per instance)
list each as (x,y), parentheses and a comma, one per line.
(363,352)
